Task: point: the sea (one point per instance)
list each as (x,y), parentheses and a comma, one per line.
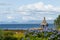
(22,26)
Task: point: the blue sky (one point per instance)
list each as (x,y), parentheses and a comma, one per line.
(28,10)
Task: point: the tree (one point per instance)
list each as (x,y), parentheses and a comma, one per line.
(57,22)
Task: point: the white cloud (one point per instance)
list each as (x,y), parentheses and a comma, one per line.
(38,11)
(49,18)
(29,18)
(38,6)
(9,17)
(35,11)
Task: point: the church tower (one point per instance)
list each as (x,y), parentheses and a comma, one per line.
(44,23)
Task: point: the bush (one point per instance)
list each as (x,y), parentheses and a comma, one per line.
(10,38)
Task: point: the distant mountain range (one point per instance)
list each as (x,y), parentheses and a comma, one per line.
(39,21)
(28,22)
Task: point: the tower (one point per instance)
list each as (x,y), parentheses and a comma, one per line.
(44,24)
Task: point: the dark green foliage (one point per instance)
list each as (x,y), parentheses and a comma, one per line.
(10,38)
(27,35)
(38,35)
(1,35)
(57,21)
(21,38)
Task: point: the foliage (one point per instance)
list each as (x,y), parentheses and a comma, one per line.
(1,34)
(57,22)
(44,35)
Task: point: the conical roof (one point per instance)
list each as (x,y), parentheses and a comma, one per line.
(44,22)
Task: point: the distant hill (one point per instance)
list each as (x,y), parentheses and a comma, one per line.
(28,22)
(39,21)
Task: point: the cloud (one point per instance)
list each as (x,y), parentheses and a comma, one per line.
(29,18)
(4,4)
(38,6)
(9,17)
(37,11)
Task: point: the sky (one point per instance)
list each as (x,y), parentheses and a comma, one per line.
(28,10)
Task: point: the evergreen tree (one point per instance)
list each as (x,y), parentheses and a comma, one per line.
(57,22)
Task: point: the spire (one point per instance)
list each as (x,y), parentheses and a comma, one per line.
(44,18)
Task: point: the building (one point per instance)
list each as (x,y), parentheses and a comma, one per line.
(44,23)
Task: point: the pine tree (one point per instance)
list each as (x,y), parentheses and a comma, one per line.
(57,22)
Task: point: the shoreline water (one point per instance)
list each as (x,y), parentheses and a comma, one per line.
(22,26)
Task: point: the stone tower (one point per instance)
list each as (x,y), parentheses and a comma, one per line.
(44,23)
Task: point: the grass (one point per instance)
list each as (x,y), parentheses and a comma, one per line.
(18,35)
